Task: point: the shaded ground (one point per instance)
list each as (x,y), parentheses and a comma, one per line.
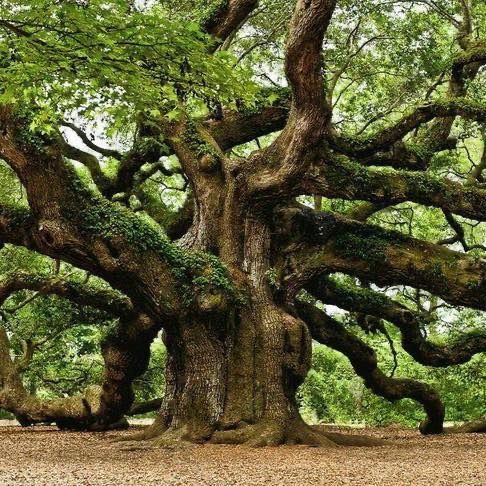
(45,456)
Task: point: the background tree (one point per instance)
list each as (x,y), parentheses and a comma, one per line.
(294,174)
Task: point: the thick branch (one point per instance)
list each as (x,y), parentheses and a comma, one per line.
(370,302)
(145,407)
(228,17)
(324,242)
(73,224)
(330,332)
(236,128)
(387,137)
(295,148)
(346,180)
(106,152)
(107,300)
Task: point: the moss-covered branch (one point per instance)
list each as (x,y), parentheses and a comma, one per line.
(108,300)
(16,224)
(131,253)
(330,332)
(351,181)
(423,114)
(367,301)
(324,242)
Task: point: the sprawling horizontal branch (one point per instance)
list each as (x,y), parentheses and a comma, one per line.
(126,354)
(330,332)
(475,426)
(347,180)
(107,300)
(73,224)
(364,300)
(145,407)
(325,242)
(423,114)
(16,399)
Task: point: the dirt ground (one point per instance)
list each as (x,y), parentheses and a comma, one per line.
(46,456)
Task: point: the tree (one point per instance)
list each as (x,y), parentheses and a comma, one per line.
(236,276)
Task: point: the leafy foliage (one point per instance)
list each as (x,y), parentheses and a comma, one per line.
(107,58)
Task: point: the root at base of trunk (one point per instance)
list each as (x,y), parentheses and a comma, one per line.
(270,433)
(167,438)
(262,434)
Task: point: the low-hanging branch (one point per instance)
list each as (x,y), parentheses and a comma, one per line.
(104,299)
(125,350)
(330,332)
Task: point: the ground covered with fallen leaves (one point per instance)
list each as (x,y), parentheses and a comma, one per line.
(46,456)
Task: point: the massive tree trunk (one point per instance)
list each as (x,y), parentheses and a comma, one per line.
(233,377)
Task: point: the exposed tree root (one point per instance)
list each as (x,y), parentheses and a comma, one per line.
(166,438)
(156,429)
(269,433)
(473,427)
(262,434)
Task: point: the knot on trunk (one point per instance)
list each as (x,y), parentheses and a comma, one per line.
(209,163)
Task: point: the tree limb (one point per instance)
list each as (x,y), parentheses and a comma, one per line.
(106,152)
(107,300)
(351,181)
(422,114)
(365,300)
(330,332)
(326,242)
(310,114)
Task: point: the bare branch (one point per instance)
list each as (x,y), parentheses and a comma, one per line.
(106,152)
